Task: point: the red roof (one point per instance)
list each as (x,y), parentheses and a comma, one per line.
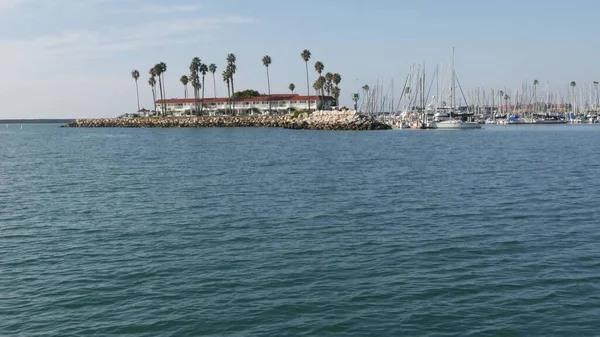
(265,98)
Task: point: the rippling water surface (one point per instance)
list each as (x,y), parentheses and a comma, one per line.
(270,232)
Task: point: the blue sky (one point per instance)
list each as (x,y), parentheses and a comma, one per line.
(73,58)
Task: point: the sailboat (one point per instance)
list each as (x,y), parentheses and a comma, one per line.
(454,124)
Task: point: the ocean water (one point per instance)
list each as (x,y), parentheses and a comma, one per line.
(272,232)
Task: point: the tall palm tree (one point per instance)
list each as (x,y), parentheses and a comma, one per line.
(203,71)
(292,87)
(184,80)
(506,98)
(535,84)
(306,57)
(163,70)
(226,80)
(213,69)
(266,60)
(329,78)
(195,79)
(573,85)
(157,71)
(232,68)
(194,70)
(319,67)
(152,83)
(501,94)
(136,75)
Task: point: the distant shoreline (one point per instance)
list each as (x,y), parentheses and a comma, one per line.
(37,121)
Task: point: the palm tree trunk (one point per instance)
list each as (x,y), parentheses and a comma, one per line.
(202,101)
(269,89)
(164,91)
(137,92)
(229,95)
(307,85)
(214,85)
(196,98)
(164,111)
(154,98)
(232,96)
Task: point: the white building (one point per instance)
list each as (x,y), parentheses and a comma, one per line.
(280,104)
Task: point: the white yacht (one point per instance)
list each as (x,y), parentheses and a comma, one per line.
(452,123)
(456,124)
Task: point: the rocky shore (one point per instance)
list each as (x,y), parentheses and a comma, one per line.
(336,120)
(318,120)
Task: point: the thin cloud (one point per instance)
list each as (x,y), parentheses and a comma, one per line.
(162,9)
(90,43)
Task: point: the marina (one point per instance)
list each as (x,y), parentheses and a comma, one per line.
(439,102)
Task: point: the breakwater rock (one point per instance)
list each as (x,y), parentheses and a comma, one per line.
(318,120)
(182,122)
(336,120)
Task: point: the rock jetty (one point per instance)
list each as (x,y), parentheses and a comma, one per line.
(336,120)
(318,120)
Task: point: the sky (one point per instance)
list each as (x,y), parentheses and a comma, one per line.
(73,58)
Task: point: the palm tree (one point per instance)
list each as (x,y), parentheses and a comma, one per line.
(501,94)
(194,70)
(535,84)
(323,84)
(573,85)
(226,80)
(329,78)
(266,60)
(136,75)
(337,79)
(506,98)
(184,80)
(335,91)
(163,70)
(213,69)
(232,68)
(230,71)
(319,67)
(195,79)
(306,57)
(319,85)
(152,83)
(292,87)
(203,71)
(157,71)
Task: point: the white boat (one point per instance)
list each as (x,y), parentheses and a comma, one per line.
(452,123)
(456,124)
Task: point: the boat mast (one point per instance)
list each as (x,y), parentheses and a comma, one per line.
(452,88)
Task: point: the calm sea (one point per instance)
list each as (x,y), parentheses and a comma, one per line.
(272,232)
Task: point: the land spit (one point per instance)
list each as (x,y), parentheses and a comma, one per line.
(318,120)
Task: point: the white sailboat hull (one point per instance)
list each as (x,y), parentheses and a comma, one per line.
(456,125)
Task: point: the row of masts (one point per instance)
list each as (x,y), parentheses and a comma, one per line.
(419,93)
